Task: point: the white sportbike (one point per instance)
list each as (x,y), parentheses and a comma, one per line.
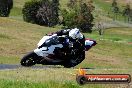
(52,51)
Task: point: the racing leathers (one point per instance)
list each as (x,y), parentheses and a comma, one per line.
(78,43)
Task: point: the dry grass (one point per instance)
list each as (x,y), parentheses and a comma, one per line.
(19,37)
(120,31)
(39,75)
(108,56)
(58,75)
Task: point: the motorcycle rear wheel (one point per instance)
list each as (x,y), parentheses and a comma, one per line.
(29,59)
(75,61)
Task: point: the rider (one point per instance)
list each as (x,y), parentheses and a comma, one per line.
(75,36)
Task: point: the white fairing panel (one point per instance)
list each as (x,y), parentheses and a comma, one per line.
(43,40)
(45,51)
(88,42)
(40,52)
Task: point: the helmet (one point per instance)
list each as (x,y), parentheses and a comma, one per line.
(75,33)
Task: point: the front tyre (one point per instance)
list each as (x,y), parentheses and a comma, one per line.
(29,59)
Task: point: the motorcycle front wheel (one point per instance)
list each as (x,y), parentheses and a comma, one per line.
(29,59)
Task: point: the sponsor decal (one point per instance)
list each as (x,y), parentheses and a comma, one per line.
(83,78)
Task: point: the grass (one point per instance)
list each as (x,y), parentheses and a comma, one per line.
(9,59)
(112,54)
(4,36)
(109,53)
(20,84)
(103,5)
(52,77)
(16,11)
(106,9)
(51,84)
(122,2)
(23,36)
(113,48)
(19,42)
(106,4)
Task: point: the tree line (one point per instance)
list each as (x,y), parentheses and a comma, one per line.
(5,7)
(126,12)
(47,13)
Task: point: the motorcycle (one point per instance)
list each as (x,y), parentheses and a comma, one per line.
(51,51)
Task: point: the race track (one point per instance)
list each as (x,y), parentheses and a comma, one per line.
(16,66)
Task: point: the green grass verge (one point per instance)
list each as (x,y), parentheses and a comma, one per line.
(26,84)
(52,78)
(106,8)
(16,12)
(9,60)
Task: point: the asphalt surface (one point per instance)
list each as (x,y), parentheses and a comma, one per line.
(11,66)
(8,66)
(16,66)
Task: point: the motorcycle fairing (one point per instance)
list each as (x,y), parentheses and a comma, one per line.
(89,43)
(45,51)
(43,40)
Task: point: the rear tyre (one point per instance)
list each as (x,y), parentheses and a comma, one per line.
(29,59)
(75,61)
